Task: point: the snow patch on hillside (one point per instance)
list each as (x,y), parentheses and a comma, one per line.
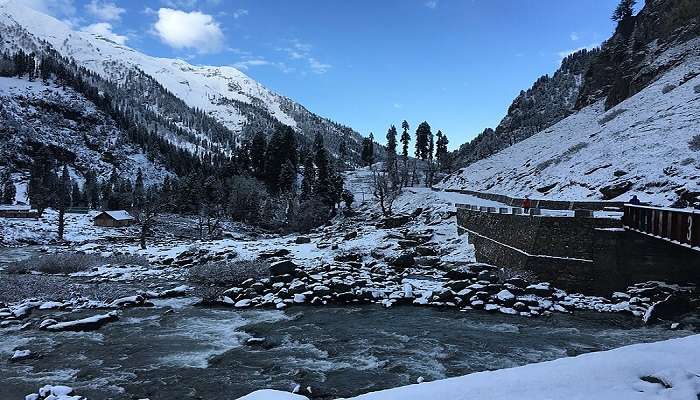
(640,147)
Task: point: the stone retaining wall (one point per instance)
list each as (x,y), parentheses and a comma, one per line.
(588,255)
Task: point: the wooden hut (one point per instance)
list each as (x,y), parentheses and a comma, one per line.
(113,219)
(18,211)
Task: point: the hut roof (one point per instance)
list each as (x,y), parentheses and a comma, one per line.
(117,215)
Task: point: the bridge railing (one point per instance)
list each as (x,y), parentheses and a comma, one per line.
(677,226)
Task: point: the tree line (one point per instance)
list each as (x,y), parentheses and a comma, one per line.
(400,170)
(273,179)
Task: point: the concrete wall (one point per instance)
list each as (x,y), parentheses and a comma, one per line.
(590,255)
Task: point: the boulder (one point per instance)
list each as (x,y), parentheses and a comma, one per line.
(505,297)
(302,240)
(394,221)
(487,276)
(541,289)
(460,273)
(426,251)
(345,297)
(350,235)
(348,257)
(427,261)
(273,253)
(405,243)
(403,261)
(86,324)
(282,267)
(669,308)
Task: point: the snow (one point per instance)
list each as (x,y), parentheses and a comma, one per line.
(646,136)
(627,373)
(79,228)
(268,394)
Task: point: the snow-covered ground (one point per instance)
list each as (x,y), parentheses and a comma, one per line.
(79,228)
(667,370)
(643,142)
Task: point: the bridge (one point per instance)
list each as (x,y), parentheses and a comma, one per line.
(681,227)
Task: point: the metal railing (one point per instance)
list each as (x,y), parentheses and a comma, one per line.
(677,226)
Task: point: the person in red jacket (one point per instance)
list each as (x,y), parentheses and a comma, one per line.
(526,204)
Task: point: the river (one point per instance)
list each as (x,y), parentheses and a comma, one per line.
(180,351)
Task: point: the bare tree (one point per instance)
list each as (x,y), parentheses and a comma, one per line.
(385,191)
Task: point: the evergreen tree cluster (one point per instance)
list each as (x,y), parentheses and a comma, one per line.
(256,181)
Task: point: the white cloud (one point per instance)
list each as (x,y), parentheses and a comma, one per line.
(189,4)
(189,30)
(432,4)
(574,36)
(246,64)
(105,11)
(298,50)
(241,12)
(318,67)
(104,29)
(251,63)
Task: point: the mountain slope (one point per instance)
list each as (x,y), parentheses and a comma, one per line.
(628,61)
(37,116)
(548,101)
(235,100)
(649,144)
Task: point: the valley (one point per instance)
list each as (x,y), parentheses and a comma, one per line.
(172,229)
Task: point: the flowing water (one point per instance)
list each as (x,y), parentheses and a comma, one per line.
(179,351)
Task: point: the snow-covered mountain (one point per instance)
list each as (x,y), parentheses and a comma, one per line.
(649,145)
(634,129)
(238,102)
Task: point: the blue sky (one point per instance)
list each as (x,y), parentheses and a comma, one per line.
(366,63)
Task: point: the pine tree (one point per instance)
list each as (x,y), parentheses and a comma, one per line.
(150,208)
(287,177)
(308,182)
(8,192)
(431,164)
(63,200)
(258,148)
(624,10)
(323,187)
(405,140)
(441,153)
(343,153)
(423,134)
(391,163)
(367,155)
(75,196)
